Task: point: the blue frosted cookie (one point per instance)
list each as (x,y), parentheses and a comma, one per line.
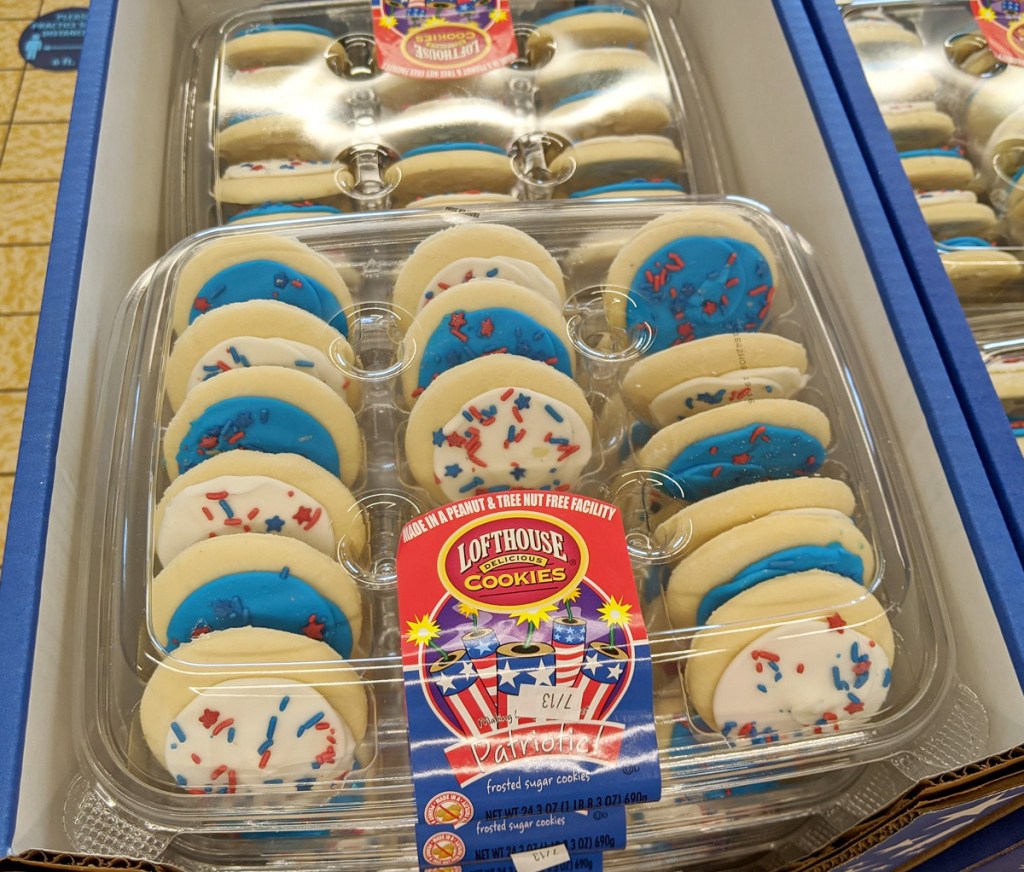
(689,275)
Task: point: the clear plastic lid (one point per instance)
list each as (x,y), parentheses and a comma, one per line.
(286,115)
(832,561)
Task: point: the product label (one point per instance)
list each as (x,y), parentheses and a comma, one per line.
(1002,24)
(527,673)
(443,40)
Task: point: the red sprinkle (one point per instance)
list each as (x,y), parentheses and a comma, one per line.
(218,496)
(265,759)
(800,668)
(765,655)
(208,513)
(223,725)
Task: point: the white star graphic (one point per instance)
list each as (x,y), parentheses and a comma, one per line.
(468,669)
(615,671)
(542,674)
(507,675)
(591,662)
(912,846)
(445,681)
(976,808)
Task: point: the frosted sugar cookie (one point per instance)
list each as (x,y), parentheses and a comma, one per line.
(610,159)
(254,334)
(900,83)
(284,212)
(955,214)
(251,137)
(497,423)
(430,264)
(252,492)
(717,370)
(876,35)
(595,26)
(255,581)
(259,266)
(596,69)
(646,188)
(270,409)
(692,274)
(481,318)
(452,167)
(469,199)
(739,444)
(239,709)
(264,45)
(977,269)
(937,169)
(452,120)
(616,111)
(700,522)
(780,543)
(277,178)
(995,98)
(917,125)
(832,650)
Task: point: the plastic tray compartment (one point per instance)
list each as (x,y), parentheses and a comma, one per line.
(334,106)
(703,768)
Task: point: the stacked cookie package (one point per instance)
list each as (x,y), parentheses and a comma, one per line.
(304,124)
(956,114)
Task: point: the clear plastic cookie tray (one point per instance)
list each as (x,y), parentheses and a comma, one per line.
(268,132)
(956,114)
(716,774)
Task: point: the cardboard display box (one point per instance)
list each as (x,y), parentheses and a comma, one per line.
(792,148)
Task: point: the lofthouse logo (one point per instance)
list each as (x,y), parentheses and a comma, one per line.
(511,560)
(445,46)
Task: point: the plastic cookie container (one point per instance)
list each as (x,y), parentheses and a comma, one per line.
(285,114)
(279,404)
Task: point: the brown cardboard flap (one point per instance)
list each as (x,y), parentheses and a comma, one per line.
(61,860)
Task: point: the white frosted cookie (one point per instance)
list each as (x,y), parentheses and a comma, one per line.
(700,522)
(900,83)
(450,168)
(875,35)
(251,580)
(269,409)
(917,125)
(255,706)
(252,492)
(1007,377)
(595,69)
(523,273)
(715,251)
(825,626)
(435,254)
(253,138)
(401,93)
(268,45)
(646,188)
(498,422)
(610,159)
(465,198)
(977,270)
(259,333)
(260,266)
(275,178)
(718,370)
(780,543)
(995,98)
(583,27)
(739,444)
(479,318)
(615,111)
(952,214)
(937,169)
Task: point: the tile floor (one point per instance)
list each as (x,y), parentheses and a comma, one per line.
(35,106)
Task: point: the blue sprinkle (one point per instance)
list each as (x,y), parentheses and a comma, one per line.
(762,688)
(266,746)
(271,727)
(306,363)
(227,509)
(304,783)
(284,703)
(474,483)
(264,416)
(235,356)
(213,369)
(174,746)
(439,439)
(728,727)
(852,697)
(886,678)
(312,722)
(559,441)
(216,292)
(231,735)
(274,781)
(178,731)
(467,415)
(778,676)
(181,780)
(429,295)
(523,402)
(862,679)
(548,408)
(491,273)
(774,667)
(315,765)
(837,680)
(511,432)
(283,574)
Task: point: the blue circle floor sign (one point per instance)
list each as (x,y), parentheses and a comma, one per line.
(54,41)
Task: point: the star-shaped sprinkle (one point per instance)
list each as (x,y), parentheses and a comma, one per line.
(275,524)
